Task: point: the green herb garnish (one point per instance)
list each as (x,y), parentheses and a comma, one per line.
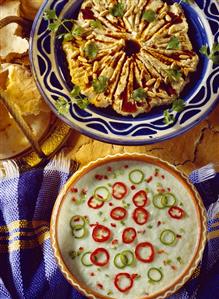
(173,43)
(91,50)
(77,30)
(62,105)
(149,15)
(75,92)
(96,24)
(100,84)
(118,10)
(168,117)
(173,74)
(213,54)
(139,94)
(179,259)
(178,106)
(73,254)
(81,102)
(56,23)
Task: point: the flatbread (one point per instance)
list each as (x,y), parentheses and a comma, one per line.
(19,86)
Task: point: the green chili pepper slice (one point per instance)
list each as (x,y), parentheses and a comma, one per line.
(120,261)
(123,259)
(158,202)
(102,193)
(168,199)
(77,220)
(136,176)
(79,231)
(168,237)
(155,275)
(85,260)
(129,256)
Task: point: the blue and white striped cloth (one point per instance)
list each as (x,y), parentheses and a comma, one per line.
(28,269)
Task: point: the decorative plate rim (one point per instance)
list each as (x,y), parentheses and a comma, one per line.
(109,137)
(198,203)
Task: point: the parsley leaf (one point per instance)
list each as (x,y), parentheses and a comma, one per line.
(75,91)
(62,105)
(82,103)
(213,54)
(91,50)
(178,105)
(77,30)
(173,74)
(50,15)
(100,84)
(149,15)
(96,24)
(54,26)
(168,118)
(118,10)
(67,36)
(139,94)
(173,43)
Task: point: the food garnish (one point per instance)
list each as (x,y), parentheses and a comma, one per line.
(149,257)
(96,255)
(118,213)
(168,237)
(118,10)
(149,15)
(155,274)
(212,54)
(129,234)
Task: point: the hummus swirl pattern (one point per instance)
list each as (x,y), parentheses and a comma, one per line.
(131,55)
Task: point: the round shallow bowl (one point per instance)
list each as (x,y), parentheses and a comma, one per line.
(52,76)
(166,201)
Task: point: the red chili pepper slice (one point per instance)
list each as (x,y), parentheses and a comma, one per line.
(97,252)
(101,233)
(140,215)
(129,234)
(140,198)
(150,257)
(117,282)
(119,190)
(118,213)
(176,212)
(94,203)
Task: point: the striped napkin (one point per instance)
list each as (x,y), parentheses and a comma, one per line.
(28,269)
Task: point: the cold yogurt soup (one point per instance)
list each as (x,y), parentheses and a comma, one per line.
(128,228)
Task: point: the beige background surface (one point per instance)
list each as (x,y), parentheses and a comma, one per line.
(191,150)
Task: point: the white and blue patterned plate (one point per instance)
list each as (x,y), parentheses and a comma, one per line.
(201,94)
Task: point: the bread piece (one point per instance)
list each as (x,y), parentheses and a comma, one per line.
(22,89)
(11,45)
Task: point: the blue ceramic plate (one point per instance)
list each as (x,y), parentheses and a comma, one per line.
(201,94)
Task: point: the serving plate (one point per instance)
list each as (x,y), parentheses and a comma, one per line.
(52,76)
(106,171)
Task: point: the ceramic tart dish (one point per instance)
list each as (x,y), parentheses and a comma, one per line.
(128,225)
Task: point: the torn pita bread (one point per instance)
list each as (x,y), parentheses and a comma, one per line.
(20,88)
(11,45)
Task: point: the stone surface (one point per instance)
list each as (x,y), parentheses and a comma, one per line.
(191,150)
